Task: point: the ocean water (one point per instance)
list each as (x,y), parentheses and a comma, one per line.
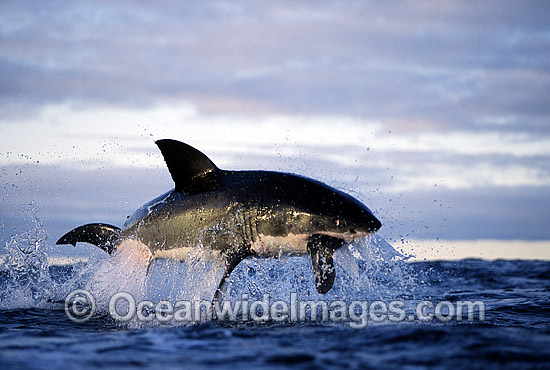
(509,327)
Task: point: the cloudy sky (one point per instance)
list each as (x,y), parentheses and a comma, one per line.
(435,114)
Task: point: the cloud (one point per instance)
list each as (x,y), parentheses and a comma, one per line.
(103,136)
(444,64)
(395,97)
(63,198)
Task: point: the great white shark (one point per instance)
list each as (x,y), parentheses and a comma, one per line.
(237,214)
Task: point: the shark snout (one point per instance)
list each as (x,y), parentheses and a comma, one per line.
(352,235)
(347,236)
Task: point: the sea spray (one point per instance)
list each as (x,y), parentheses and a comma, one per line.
(368,269)
(28,282)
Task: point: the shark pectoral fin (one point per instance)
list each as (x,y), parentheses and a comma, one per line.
(231,261)
(321,248)
(104,236)
(149,263)
(323,268)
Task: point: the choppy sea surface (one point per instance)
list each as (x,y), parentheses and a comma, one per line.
(404,314)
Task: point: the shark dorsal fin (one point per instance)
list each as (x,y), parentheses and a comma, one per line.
(187,165)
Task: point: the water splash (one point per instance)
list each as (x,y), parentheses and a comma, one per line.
(365,270)
(28,282)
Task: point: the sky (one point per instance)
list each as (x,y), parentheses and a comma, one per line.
(434,114)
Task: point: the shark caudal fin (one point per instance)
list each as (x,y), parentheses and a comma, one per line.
(104,236)
(321,248)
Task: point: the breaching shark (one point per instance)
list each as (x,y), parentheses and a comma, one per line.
(238,214)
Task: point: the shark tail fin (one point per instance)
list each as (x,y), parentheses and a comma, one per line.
(105,236)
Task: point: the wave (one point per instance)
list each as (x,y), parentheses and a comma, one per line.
(367,269)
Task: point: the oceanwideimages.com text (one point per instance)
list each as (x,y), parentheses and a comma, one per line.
(80,306)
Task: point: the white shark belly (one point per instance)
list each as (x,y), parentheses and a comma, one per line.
(268,245)
(185,253)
